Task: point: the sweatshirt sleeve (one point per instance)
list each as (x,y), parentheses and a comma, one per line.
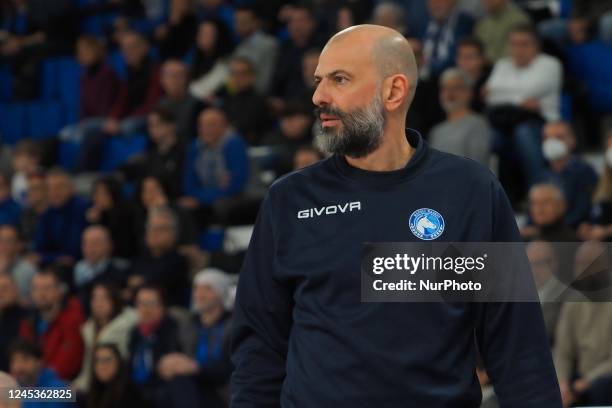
(511,335)
(262,321)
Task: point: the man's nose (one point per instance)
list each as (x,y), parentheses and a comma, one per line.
(321,97)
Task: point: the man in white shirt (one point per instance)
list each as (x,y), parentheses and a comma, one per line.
(526,87)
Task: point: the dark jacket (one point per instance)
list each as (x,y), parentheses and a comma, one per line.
(247,111)
(10,320)
(170,271)
(61,342)
(59,230)
(99,87)
(163,341)
(139,93)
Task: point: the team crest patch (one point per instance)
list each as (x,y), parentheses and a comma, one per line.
(426,224)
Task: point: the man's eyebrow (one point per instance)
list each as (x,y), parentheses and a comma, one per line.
(334,73)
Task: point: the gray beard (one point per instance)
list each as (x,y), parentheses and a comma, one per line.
(361,133)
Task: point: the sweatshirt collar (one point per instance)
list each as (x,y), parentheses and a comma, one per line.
(383,178)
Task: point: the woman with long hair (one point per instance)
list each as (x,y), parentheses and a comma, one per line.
(209,68)
(111,210)
(110,323)
(111,385)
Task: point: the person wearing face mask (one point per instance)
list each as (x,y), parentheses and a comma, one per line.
(599,227)
(576,178)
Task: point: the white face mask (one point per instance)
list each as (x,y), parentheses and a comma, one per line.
(554,149)
(609,157)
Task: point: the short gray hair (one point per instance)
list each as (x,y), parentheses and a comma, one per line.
(456,73)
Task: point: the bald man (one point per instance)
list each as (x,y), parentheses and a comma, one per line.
(301,336)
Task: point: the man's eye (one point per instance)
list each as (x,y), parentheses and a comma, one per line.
(340,79)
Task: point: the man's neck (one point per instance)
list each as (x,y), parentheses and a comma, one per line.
(458,114)
(558,165)
(393,153)
(210,317)
(50,315)
(165,145)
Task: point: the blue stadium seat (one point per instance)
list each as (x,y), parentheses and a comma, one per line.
(69,89)
(591,63)
(211,239)
(6,83)
(44,119)
(118,150)
(13,122)
(67,155)
(566,107)
(49,84)
(98,25)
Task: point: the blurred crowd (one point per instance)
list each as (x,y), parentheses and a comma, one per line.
(114,279)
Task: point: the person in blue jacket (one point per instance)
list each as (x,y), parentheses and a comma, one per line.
(29,370)
(302,337)
(217,164)
(58,236)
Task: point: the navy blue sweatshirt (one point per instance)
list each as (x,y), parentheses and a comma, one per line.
(302,337)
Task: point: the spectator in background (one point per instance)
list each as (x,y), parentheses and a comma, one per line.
(26,162)
(176,99)
(54,324)
(588,19)
(175,36)
(544,266)
(246,108)
(582,355)
(447,25)
(255,45)
(575,176)
(206,360)
(137,95)
(155,191)
(294,132)
(110,323)
(209,69)
(165,155)
(155,335)
(35,206)
(97,264)
(12,261)
(58,235)
(111,210)
(522,92)
(547,210)
(389,14)
(471,60)
(10,211)
(41,29)
(110,383)
(30,370)
(216,165)
(493,29)
(425,111)
(287,81)
(464,133)
(310,60)
(162,264)
(306,156)
(599,227)
(98,88)
(11,313)
(218,9)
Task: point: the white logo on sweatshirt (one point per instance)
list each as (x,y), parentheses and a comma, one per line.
(330,210)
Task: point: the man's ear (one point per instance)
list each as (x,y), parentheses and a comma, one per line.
(396,90)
